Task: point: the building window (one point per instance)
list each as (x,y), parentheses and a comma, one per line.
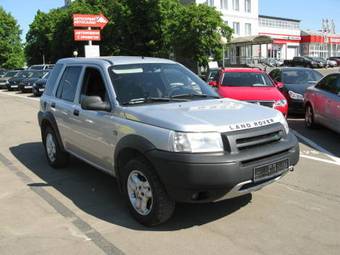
(248,29)
(247,6)
(226,22)
(236,27)
(236,5)
(224,4)
(211,3)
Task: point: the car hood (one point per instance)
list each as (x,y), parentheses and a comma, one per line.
(298,88)
(219,115)
(251,93)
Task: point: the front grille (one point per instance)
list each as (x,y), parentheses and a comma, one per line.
(263,103)
(238,141)
(254,141)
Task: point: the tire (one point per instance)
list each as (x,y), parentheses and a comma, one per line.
(56,157)
(309,117)
(139,179)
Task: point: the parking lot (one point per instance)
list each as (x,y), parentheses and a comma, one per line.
(78,210)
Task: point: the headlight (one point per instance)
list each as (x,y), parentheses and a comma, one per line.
(196,142)
(284,122)
(295,96)
(280,103)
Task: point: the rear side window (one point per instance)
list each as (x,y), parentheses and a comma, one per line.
(68,83)
(52,81)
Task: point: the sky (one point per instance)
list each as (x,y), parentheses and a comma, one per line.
(310,12)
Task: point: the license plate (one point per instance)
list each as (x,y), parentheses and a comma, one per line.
(14,86)
(28,87)
(270,170)
(41,90)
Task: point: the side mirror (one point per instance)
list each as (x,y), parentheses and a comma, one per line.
(279,85)
(212,83)
(94,103)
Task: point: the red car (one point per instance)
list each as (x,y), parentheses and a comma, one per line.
(252,85)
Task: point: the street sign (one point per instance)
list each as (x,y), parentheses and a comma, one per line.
(89,20)
(86,35)
(92,51)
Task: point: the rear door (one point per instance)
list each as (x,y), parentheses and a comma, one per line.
(63,105)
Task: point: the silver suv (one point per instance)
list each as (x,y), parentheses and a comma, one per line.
(162,132)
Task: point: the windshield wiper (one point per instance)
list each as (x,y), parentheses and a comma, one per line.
(194,95)
(144,100)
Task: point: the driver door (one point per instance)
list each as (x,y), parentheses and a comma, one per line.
(95,129)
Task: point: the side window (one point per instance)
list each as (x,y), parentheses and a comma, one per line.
(329,84)
(68,83)
(51,83)
(93,85)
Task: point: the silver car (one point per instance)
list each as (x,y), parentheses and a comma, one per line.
(162,132)
(322,103)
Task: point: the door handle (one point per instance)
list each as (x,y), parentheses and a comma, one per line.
(76,112)
(53,104)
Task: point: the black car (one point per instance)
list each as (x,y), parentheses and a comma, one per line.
(293,82)
(26,85)
(39,86)
(13,83)
(301,62)
(4,80)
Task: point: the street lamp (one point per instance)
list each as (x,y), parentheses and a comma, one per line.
(223,41)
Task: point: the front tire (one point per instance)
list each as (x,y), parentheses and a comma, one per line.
(309,117)
(56,157)
(147,199)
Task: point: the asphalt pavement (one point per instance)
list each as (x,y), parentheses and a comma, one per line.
(78,210)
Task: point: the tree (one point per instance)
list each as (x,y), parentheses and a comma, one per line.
(155,28)
(199,33)
(11,52)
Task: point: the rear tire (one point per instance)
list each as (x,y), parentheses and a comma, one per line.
(309,117)
(142,186)
(56,157)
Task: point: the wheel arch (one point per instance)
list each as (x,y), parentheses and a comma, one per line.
(129,147)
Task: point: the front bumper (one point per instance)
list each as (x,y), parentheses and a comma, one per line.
(296,106)
(212,177)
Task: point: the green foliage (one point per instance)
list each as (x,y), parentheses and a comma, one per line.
(11,52)
(137,27)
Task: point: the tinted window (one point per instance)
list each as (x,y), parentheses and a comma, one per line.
(243,79)
(330,84)
(68,83)
(302,76)
(93,84)
(276,75)
(51,83)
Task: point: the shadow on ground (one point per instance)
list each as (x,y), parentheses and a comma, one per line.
(97,194)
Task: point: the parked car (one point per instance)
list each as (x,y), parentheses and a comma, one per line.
(211,74)
(336,59)
(320,61)
(293,83)
(13,83)
(39,86)
(332,62)
(41,67)
(301,62)
(162,132)
(252,85)
(26,85)
(8,75)
(272,62)
(2,72)
(322,103)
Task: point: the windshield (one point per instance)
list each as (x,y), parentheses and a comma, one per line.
(38,74)
(157,81)
(10,74)
(244,79)
(46,75)
(300,76)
